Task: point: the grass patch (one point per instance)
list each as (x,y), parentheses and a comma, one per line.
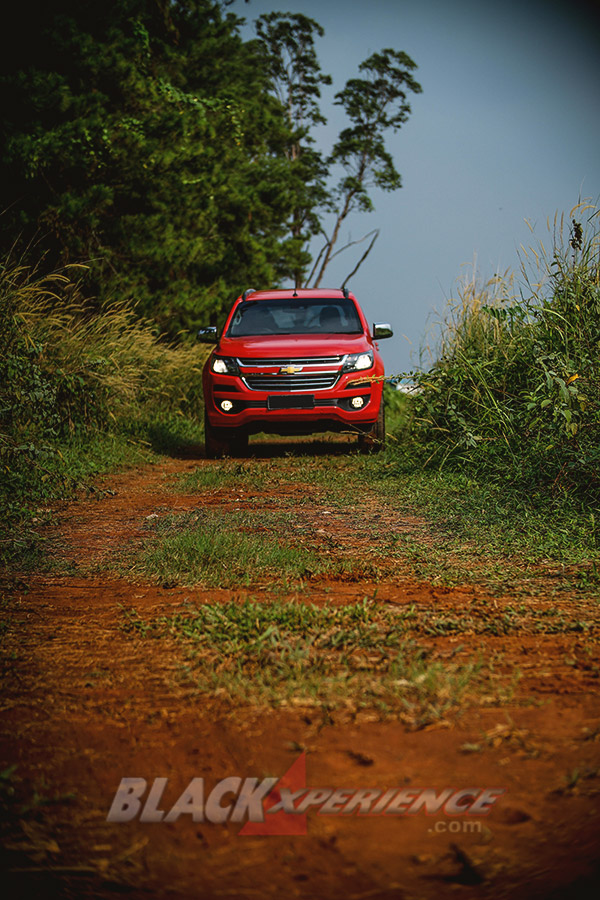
(500,521)
(485,532)
(84,389)
(169,434)
(481,617)
(227,473)
(65,473)
(356,657)
(471,531)
(514,395)
(260,474)
(233,549)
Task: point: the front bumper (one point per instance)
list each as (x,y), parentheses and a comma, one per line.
(309,411)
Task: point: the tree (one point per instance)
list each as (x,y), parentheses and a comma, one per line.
(146,138)
(375,104)
(288,42)
(140,135)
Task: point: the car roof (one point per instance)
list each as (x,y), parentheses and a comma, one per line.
(299,293)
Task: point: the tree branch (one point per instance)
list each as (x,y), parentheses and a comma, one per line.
(318,259)
(362,259)
(352,244)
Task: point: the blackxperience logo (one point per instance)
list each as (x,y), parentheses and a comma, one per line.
(280,805)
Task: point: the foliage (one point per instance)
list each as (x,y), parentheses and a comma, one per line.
(70,374)
(140,136)
(515,393)
(231,548)
(147,139)
(374,104)
(356,656)
(288,42)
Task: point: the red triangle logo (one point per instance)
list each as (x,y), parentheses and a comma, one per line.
(281,822)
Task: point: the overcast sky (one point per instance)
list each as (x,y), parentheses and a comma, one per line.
(507,129)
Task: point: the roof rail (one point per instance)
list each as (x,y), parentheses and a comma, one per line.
(246,293)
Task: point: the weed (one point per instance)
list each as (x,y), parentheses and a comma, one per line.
(82,389)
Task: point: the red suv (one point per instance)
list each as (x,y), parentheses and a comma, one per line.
(293,362)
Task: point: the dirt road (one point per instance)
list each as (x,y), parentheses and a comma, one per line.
(87,703)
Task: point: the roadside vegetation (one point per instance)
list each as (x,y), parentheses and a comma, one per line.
(82,391)
(513,397)
(154,165)
(498,451)
(464,529)
(110,160)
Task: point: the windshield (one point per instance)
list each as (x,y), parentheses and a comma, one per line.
(295,316)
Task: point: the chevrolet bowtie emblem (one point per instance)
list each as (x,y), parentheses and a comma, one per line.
(290,370)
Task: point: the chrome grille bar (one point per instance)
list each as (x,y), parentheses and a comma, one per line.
(290,361)
(278,383)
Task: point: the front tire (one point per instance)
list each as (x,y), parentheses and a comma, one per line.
(374,441)
(220,442)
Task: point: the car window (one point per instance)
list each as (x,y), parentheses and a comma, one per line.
(295,316)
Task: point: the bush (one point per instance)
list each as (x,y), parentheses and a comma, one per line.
(71,375)
(515,393)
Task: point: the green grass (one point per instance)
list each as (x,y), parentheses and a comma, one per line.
(233,549)
(484,532)
(60,473)
(500,520)
(481,617)
(84,389)
(217,476)
(357,657)
(72,468)
(514,394)
(262,474)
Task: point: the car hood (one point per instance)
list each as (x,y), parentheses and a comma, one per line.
(292,345)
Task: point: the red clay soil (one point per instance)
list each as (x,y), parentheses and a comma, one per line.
(86,704)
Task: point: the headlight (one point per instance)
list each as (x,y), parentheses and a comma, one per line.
(356,362)
(225,365)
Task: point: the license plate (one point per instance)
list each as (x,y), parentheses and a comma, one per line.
(291,401)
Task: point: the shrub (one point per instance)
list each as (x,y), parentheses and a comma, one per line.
(70,372)
(515,393)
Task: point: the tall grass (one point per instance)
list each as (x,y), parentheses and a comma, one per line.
(75,375)
(515,392)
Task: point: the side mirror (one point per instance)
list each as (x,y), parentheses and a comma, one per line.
(382,330)
(208,335)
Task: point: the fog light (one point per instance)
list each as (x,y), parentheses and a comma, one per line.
(226,405)
(357,402)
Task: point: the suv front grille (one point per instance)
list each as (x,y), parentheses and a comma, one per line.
(287,361)
(274,383)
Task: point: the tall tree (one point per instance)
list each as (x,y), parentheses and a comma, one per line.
(141,135)
(374,104)
(147,137)
(288,42)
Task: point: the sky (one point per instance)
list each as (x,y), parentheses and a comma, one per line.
(505,133)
